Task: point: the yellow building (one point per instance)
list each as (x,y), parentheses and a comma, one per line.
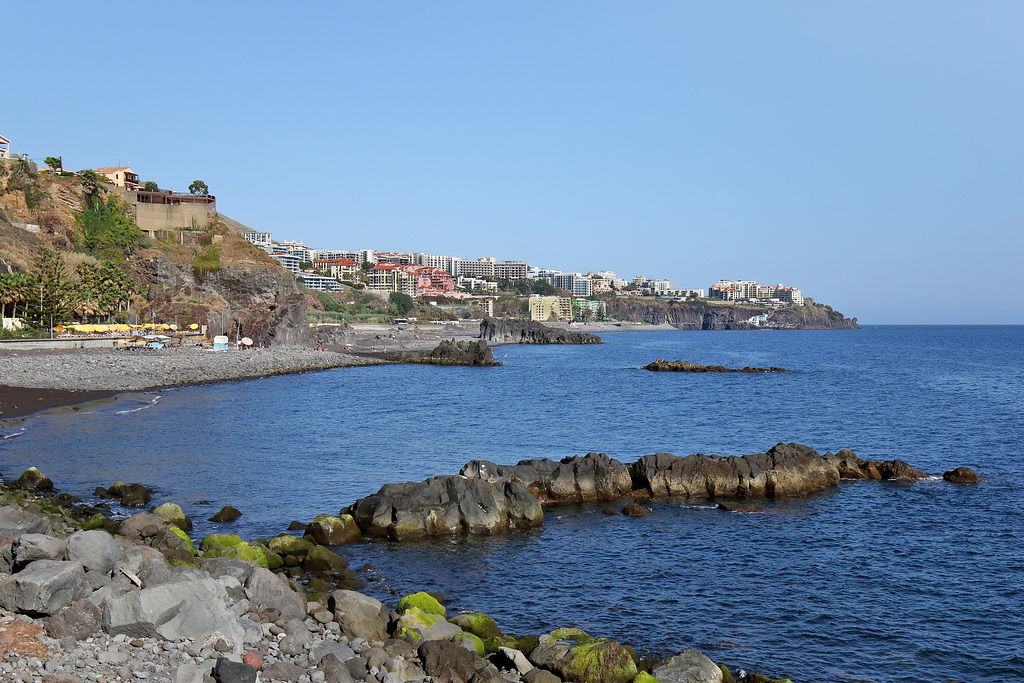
(544,308)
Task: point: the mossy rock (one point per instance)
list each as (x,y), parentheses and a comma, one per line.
(468,639)
(727,676)
(644,677)
(331,530)
(33,480)
(477,623)
(320,559)
(422,601)
(232,546)
(758,678)
(527,644)
(100,521)
(492,644)
(173,514)
(183,536)
(286,544)
(599,661)
(417,626)
(318,585)
(274,561)
(573,635)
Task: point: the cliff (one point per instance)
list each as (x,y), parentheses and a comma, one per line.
(699,315)
(515,331)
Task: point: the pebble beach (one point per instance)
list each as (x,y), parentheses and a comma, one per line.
(34,380)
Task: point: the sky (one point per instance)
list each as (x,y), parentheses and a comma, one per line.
(869,153)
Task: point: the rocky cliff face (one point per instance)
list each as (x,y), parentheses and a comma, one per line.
(515,331)
(703,316)
(262,299)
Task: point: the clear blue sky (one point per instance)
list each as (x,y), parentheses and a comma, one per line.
(870,153)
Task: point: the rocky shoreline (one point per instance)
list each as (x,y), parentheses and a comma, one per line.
(87,598)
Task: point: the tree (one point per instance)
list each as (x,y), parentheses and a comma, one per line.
(53,296)
(402,303)
(55,163)
(198,187)
(150,186)
(107,230)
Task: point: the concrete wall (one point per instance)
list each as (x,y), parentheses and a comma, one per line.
(25,344)
(151,217)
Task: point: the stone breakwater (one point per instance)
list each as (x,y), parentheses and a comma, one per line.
(141,369)
(487,498)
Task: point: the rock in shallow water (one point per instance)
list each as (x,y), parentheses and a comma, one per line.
(961,475)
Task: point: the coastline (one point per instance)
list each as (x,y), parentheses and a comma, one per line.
(38,380)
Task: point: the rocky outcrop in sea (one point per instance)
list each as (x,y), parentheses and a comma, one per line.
(514,331)
(662,365)
(451,352)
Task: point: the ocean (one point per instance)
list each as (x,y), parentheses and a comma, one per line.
(871,581)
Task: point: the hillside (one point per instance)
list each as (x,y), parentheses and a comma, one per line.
(209,277)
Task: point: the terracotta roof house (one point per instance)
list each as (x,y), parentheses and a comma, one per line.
(120,176)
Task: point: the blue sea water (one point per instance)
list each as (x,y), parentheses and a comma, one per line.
(868,582)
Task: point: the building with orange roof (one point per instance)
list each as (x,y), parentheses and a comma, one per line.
(120,176)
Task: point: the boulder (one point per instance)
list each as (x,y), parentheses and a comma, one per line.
(445,661)
(575,656)
(477,623)
(232,546)
(689,666)
(514,659)
(229,671)
(286,544)
(331,530)
(360,616)
(424,601)
(130,495)
(173,514)
(28,548)
(540,676)
(736,506)
(785,470)
(335,670)
(322,648)
(418,626)
(574,479)
(297,638)
(852,467)
(80,621)
(445,506)
(217,567)
(470,642)
(33,480)
(44,587)
(141,526)
(282,671)
(320,559)
(634,510)
(94,549)
(13,521)
(662,365)
(961,475)
(174,611)
(225,514)
(266,589)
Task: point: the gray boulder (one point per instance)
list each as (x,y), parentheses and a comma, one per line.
(44,587)
(13,521)
(266,589)
(360,616)
(226,566)
(31,547)
(173,611)
(229,671)
(574,479)
(95,549)
(689,666)
(322,648)
(297,638)
(445,506)
(784,470)
(334,670)
(80,621)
